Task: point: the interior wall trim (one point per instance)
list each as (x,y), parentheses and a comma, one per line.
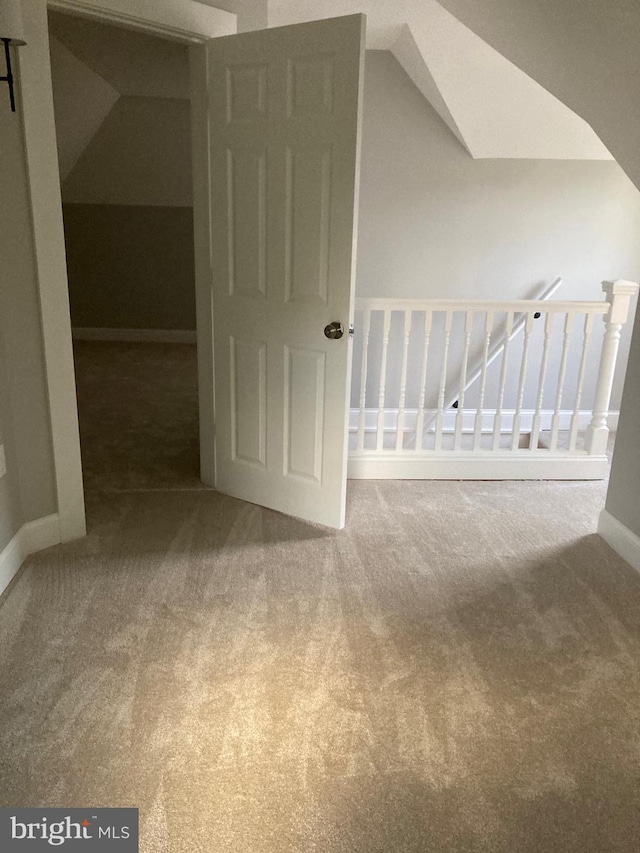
(623,541)
(32,536)
(185,20)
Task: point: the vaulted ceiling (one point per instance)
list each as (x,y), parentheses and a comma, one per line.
(493,108)
(93,67)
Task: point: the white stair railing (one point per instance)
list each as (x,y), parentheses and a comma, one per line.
(619,295)
(521,406)
(487,358)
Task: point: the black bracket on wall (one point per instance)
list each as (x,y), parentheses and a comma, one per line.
(8,78)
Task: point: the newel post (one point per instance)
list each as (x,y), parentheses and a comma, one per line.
(619,295)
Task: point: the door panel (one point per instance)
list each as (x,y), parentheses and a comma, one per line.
(248,381)
(307,223)
(247,200)
(284,114)
(305,386)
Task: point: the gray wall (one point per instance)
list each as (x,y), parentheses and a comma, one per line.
(586,53)
(141,155)
(27,491)
(436,223)
(130,266)
(129,221)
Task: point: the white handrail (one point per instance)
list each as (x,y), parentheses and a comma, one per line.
(519,306)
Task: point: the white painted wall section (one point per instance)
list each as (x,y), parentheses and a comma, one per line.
(408,54)
(496,108)
(500,110)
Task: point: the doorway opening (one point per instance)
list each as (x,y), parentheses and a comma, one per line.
(123,125)
(229,92)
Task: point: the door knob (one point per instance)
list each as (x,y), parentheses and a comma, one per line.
(334,331)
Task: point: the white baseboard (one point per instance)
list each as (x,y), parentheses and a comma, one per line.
(32,537)
(515,465)
(152,336)
(623,541)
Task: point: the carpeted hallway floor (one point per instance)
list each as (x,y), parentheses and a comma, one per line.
(458,670)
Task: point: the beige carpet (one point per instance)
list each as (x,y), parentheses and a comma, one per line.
(458,670)
(138,406)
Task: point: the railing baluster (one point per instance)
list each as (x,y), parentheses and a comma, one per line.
(443,379)
(517,418)
(386,326)
(522,306)
(555,421)
(535,427)
(575,418)
(366,330)
(406,328)
(428,320)
(619,295)
(532,364)
(468,325)
(477,426)
(497,421)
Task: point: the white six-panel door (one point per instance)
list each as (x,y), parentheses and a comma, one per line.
(284,115)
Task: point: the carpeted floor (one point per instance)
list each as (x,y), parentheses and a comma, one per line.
(138,407)
(458,670)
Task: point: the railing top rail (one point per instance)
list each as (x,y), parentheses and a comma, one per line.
(516,305)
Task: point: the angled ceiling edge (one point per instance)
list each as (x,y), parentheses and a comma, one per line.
(82,100)
(411,59)
(500,110)
(58,30)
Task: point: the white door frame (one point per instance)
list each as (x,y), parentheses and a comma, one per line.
(185,20)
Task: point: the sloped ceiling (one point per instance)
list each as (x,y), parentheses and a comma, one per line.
(139,156)
(133,63)
(408,55)
(97,69)
(77,91)
(493,108)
